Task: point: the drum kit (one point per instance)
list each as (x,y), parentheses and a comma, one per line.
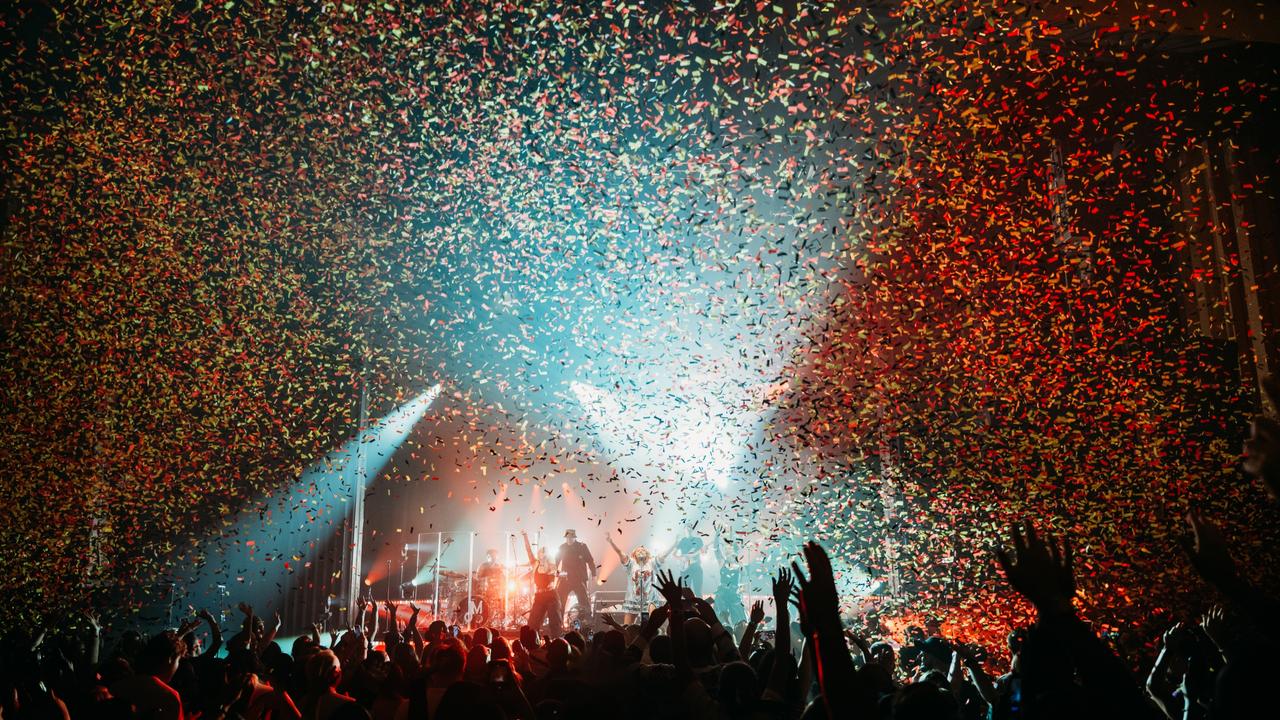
(488,600)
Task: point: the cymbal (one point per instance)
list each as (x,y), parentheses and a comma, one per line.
(452,574)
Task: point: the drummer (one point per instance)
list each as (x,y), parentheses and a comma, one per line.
(490,573)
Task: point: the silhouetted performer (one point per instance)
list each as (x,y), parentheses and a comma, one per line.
(728,599)
(689,561)
(576,569)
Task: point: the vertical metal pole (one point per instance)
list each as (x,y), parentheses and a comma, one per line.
(357,524)
(471,557)
(435,602)
(506,583)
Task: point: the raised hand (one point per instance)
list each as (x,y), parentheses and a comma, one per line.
(1207,550)
(413,607)
(819,602)
(1214,622)
(671,590)
(392,608)
(608,620)
(782,587)
(1218,627)
(245,608)
(1039,569)
(757,613)
(205,615)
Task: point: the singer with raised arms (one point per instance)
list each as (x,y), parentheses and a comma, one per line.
(546,602)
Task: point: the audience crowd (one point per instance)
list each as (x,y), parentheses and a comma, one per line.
(681,661)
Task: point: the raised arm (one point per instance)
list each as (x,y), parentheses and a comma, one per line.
(411,633)
(1041,571)
(393,624)
(1160,687)
(247,610)
(781,671)
(978,677)
(528,549)
(271,633)
(361,627)
(844,693)
(622,558)
(372,637)
(673,592)
(246,628)
(95,639)
(1215,626)
(1210,555)
(749,635)
(215,634)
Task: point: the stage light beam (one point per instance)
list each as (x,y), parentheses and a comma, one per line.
(262,545)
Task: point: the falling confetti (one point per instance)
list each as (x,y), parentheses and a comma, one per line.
(887,276)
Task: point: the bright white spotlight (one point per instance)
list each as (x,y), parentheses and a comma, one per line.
(394,428)
(296,521)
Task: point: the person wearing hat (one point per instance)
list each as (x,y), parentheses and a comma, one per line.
(577,568)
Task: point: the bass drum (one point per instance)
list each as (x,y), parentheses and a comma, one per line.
(470,612)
